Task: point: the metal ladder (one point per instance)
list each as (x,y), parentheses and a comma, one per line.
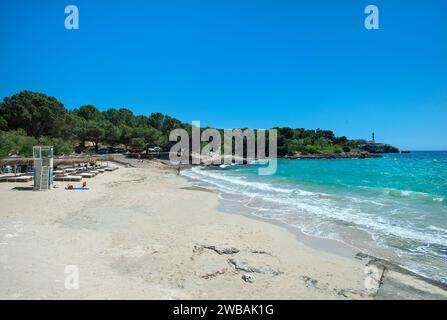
(44,176)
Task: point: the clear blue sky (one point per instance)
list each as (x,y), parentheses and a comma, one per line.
(241,63)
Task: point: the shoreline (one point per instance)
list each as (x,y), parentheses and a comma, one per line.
(339,248)
(331,246)
(143,233)
(327,245)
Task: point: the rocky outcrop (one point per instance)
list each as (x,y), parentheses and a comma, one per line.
(310,283)
(248,278)
(240,265)
(335,155)
(221,249)
(379,148)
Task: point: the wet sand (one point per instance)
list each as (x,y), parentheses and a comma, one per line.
(143,232)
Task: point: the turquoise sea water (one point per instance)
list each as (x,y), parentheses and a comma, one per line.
(394,207)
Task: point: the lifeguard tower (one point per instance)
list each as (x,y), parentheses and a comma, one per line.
(43,167)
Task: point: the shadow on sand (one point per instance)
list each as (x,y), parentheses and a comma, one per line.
(23,188)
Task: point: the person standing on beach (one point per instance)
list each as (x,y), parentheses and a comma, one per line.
(179,168)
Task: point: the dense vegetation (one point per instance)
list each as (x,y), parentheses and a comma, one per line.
(31,118)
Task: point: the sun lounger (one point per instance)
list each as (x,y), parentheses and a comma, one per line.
(68,178)
(16,179)
(111,168)
(87,175)
(59,173)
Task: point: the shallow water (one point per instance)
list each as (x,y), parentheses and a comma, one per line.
(394,207)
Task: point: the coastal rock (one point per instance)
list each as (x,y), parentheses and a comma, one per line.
(222,250)
(333,155)
(214,274)
(261,252)
(341,293)
(310,283)
(248,278)
(379,148)
(349,293)
(362,256)
(198,249)
(275,272)
(240,265)
(374,274)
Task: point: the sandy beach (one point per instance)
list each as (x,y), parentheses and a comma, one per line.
(145,233)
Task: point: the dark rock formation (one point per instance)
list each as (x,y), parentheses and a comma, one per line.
(240,265)
(310,283)
(221,249)
(248,278)
(379,148)
(333,155)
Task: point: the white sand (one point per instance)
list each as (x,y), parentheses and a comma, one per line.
(138,234)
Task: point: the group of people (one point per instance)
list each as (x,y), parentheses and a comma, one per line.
(6,169)
(10,169)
